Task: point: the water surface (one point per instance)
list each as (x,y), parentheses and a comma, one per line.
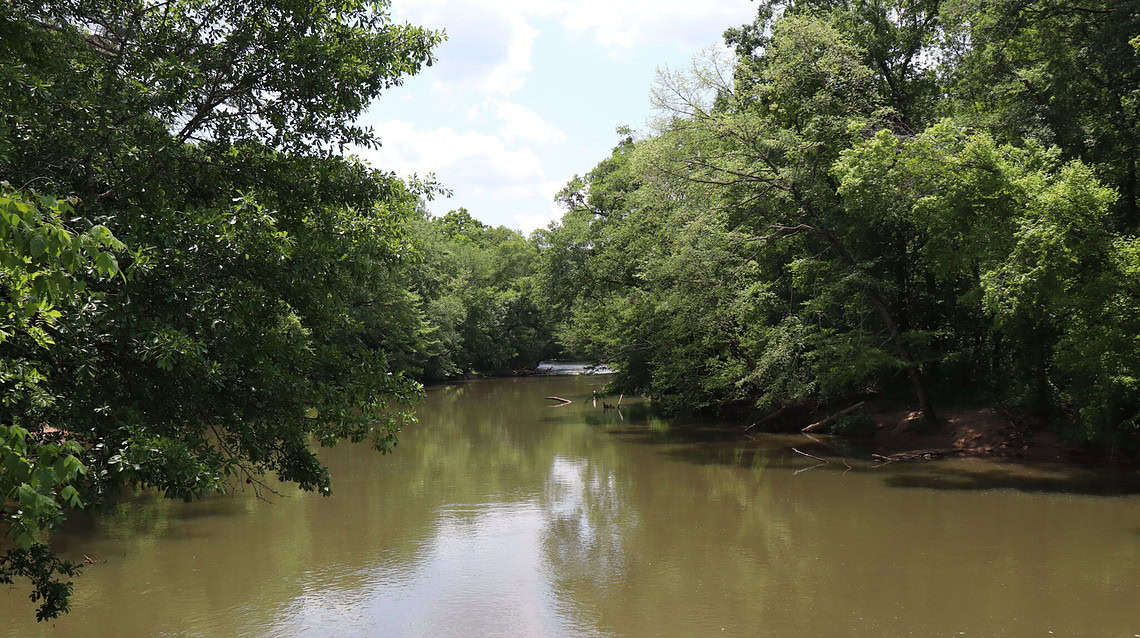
(501,516)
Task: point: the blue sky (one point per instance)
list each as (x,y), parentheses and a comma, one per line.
(527,94)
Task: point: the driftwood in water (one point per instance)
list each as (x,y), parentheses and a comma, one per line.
(608,406)
(810,456)
(820,424)
(561,401)
(774,415)
(821,460)
(915,456)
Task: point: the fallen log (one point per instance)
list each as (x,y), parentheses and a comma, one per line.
(561,401)
(810,456)
(774,415)
(820,424)
(915,456)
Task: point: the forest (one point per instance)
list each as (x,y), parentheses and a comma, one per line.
(929,201)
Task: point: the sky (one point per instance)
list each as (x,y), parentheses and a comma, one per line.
(525,95)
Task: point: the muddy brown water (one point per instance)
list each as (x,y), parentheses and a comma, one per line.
(501,516)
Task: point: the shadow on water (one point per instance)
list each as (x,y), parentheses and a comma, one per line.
(710,443)
(1019,477)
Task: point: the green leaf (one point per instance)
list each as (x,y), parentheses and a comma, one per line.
(107,264)
(37,246)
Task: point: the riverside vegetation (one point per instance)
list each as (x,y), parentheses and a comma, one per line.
(930,200)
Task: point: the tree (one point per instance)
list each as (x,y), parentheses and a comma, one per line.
(479,298)
(287,73)
(898,41)
(44,271)
(262,299)
(1025,240)
(769,144)
(869,189)
(1063,74)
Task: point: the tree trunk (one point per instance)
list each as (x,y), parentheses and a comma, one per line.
(1130,204)
(913,374)
(822,422)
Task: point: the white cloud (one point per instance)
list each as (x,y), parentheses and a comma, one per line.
(507,180)
(632,23)
(621,25)
(473,120)
(522,123)
(527,222)
(490,42)
(455,156)
(489,47)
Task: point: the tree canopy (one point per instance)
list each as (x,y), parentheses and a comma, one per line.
(927,200)
(197,287)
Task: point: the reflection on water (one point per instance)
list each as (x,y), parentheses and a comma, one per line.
(501,516)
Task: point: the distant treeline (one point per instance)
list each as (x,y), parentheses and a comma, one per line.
(930,201)
(479,302)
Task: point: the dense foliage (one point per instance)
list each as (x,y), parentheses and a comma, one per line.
(480,301)
(195,288)
(932,200)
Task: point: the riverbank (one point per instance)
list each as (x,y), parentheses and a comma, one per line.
(974,432)
(894,433)
(897,434)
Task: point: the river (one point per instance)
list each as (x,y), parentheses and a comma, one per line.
(499,515)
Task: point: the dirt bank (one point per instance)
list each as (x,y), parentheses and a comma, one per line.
(980,432)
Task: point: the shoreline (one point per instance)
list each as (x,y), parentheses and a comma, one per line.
(898,436)
(983,432)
